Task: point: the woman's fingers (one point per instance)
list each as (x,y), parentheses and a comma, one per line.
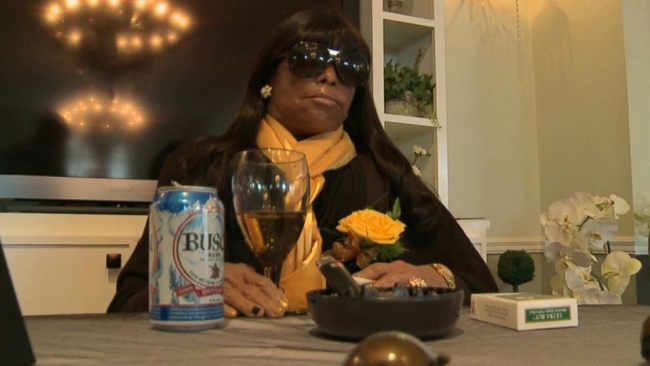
(391,279)
(252,294)
(376,271)
(271,307)
(388,274)
(373,271)
(238,300)
(270,291)
(229,311)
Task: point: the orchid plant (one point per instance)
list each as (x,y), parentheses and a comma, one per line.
(418,152)
(642,222)
(574,228)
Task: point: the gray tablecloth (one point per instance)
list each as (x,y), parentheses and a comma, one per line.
(607,335)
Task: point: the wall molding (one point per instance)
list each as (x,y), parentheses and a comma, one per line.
(627,244)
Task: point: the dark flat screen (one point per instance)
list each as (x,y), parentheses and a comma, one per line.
(77,105)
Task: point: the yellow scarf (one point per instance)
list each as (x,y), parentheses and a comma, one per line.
(325,151)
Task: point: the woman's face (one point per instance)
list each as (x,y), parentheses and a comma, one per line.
(307,106)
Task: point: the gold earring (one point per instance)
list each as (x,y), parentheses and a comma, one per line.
(266,91)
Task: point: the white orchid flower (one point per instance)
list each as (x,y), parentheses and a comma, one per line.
(617,268)
(579,279)
(543,219)
(585,204)
(561,217)
(420,151)
(621,207)
(552,251)
(556,233)
(597,297)
(576,226)
(417,170)
(642,222)
(643,216)
(578,241)
(606,207)
(564,213)
(586,289)
(581,259)
(599,231)
(555,251)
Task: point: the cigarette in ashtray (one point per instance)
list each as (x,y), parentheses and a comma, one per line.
(338,278)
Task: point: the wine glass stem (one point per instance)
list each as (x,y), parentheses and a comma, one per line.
(272,274)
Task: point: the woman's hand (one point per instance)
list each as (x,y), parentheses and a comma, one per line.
(247,292)
(387,274)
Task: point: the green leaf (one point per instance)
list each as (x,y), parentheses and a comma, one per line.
(398,79)
(339,236)
(396,212)
(388,253)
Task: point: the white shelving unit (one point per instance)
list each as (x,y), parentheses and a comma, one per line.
(399,37)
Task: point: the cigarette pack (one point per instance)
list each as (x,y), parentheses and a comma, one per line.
(525,311)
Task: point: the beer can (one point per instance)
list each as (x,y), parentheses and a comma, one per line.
(186,258)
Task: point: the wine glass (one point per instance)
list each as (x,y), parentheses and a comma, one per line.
(271,194)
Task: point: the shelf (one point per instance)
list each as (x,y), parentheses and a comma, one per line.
(411,134)
(413,8)
(409,120)
(399,35)
(417,32)
(409,19)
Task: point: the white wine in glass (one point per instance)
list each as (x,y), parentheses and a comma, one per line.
(271,195)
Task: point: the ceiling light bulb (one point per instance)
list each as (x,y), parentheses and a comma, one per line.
(161,8)
(55,9)
(72,3)
(156,41)
(75,37)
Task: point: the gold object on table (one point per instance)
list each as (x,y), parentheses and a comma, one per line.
(393,348)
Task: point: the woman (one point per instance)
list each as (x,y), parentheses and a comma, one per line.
(300,97)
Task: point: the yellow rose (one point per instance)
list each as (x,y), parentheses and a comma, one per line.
(373,225)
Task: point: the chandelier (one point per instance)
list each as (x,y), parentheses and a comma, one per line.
(98,113)
(115,36)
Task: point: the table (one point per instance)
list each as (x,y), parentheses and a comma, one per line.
(607,335)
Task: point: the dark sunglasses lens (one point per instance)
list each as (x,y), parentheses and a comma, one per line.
(308,59)
(352,68)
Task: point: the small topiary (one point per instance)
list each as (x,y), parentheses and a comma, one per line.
(516,267)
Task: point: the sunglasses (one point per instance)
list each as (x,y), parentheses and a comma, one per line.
(308,59)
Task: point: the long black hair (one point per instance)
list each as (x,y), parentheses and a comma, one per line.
(327,27)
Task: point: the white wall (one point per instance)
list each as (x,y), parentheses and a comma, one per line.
(537,94)
(636,30)
(581,99)
(537,107)
(492,134)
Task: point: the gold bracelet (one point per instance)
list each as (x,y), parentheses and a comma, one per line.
(446,274)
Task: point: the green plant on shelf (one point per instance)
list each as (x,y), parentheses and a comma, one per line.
(409,92)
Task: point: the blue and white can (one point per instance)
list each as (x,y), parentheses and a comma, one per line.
(186,258)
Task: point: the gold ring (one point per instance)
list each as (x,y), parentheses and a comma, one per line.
(417,282)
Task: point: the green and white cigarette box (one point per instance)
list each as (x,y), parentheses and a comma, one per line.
(525,311)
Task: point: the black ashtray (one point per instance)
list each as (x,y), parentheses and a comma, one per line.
(431,313)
